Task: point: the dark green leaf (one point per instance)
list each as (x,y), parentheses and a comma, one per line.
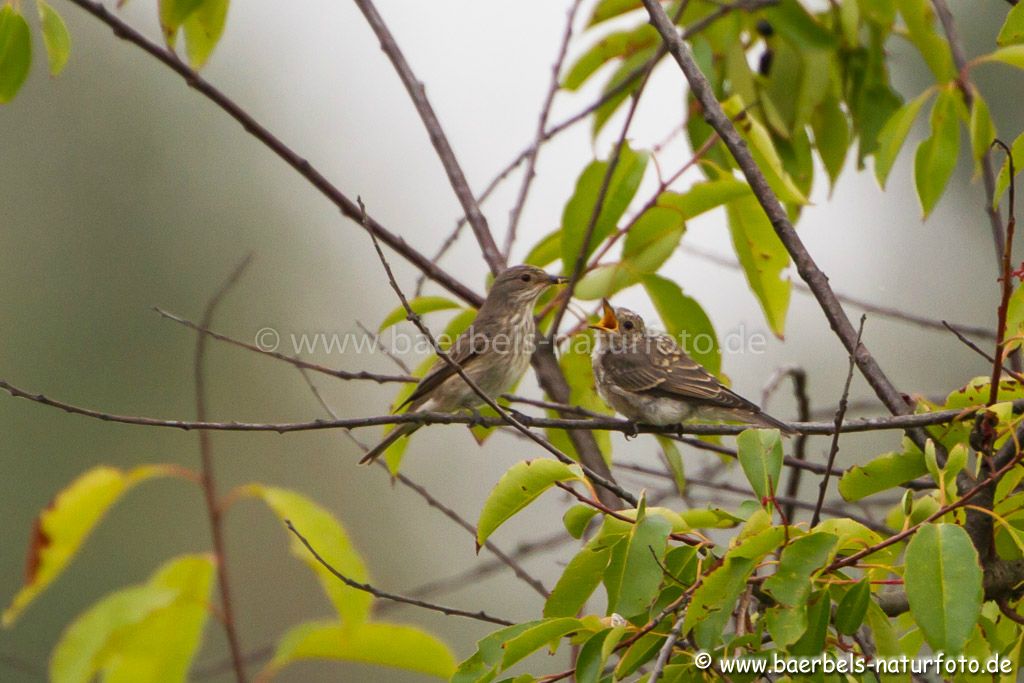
(536,637)
(853,608)
(578,581)
(15,52)
(482,666)
(640,574)
(831,135)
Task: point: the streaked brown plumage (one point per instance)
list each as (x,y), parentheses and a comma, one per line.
(494,352)
(649,379)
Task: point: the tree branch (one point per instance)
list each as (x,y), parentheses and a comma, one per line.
(384,595)
(418,95)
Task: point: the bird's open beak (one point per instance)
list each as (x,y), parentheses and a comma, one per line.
(557,279)
(608,322)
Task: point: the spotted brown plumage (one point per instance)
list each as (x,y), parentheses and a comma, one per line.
(649,379)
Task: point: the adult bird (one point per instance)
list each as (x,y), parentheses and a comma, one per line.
(494,352)
(650,380)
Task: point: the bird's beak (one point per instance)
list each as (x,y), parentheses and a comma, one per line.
(557,279)
(608,322)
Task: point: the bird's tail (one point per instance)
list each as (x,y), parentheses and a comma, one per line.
(766,420)
(393,436)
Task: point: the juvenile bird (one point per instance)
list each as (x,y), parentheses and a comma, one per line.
(494,352)
(649,379)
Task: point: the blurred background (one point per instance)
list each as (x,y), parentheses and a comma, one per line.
(122,190)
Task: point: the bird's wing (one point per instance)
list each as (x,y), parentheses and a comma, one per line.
(660,368)
(464,351)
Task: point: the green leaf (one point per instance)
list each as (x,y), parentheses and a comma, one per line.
(577,518)
(675,462)
(920,22)
(578,211)
(173,14)
(652,239)
(609,9)
(612,46)
(1003,179)
(1012,55)
(812,642)
(55,37)
(634,582)
(579,581)
(482,666)
(944,585)
(536,637)
(329,538)
(936,157)
(763,150)
(61,529)
(791,585)
(376,643)
(592,657)
(760,455)
(686,321)
(626,71)
(763,258)
(579,373)
(546,251)
(983,129)
(1012,31)
(421,305)
(15,52)
(881,474)
(831,134)
(141,633)
(890,140)
(203,29)
(705,196)
(853,608)
(519,487)
(791,20)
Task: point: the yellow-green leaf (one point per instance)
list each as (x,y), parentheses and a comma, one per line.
(763,258)
(420,306)
(579,580)
(1012,31)
(381,644)
(536,637)
(763,150)
(705,196)
(760,456)
(1003,179)
(881,474)
(1011,54)
(15,52)
(141,633)
(173,14)
(330,540)
(983,129)
(519,487)
(55,37)
(920,21)
(936,157)
(203,29)
(612,46)
(62,528)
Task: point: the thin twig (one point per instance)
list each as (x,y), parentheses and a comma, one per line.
(418,95)
(213,509)
(611,424)
(666,650)
(981,352)
(434,502)
(297,362)
(834,448)
(384,595)
(505,416)
(862,304)
(1006,281)
(545,111)
(313,176)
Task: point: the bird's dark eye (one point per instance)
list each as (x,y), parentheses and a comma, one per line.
(628,325)
(525,277)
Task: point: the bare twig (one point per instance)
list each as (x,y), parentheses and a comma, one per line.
(347,207)
(384,595)
(213,509)
(834,448)
(978,350)
(1006,281)
(297,362)
(545,111)
(505,416)
(610,424)
(862,304)
(418,95)
(666,650)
